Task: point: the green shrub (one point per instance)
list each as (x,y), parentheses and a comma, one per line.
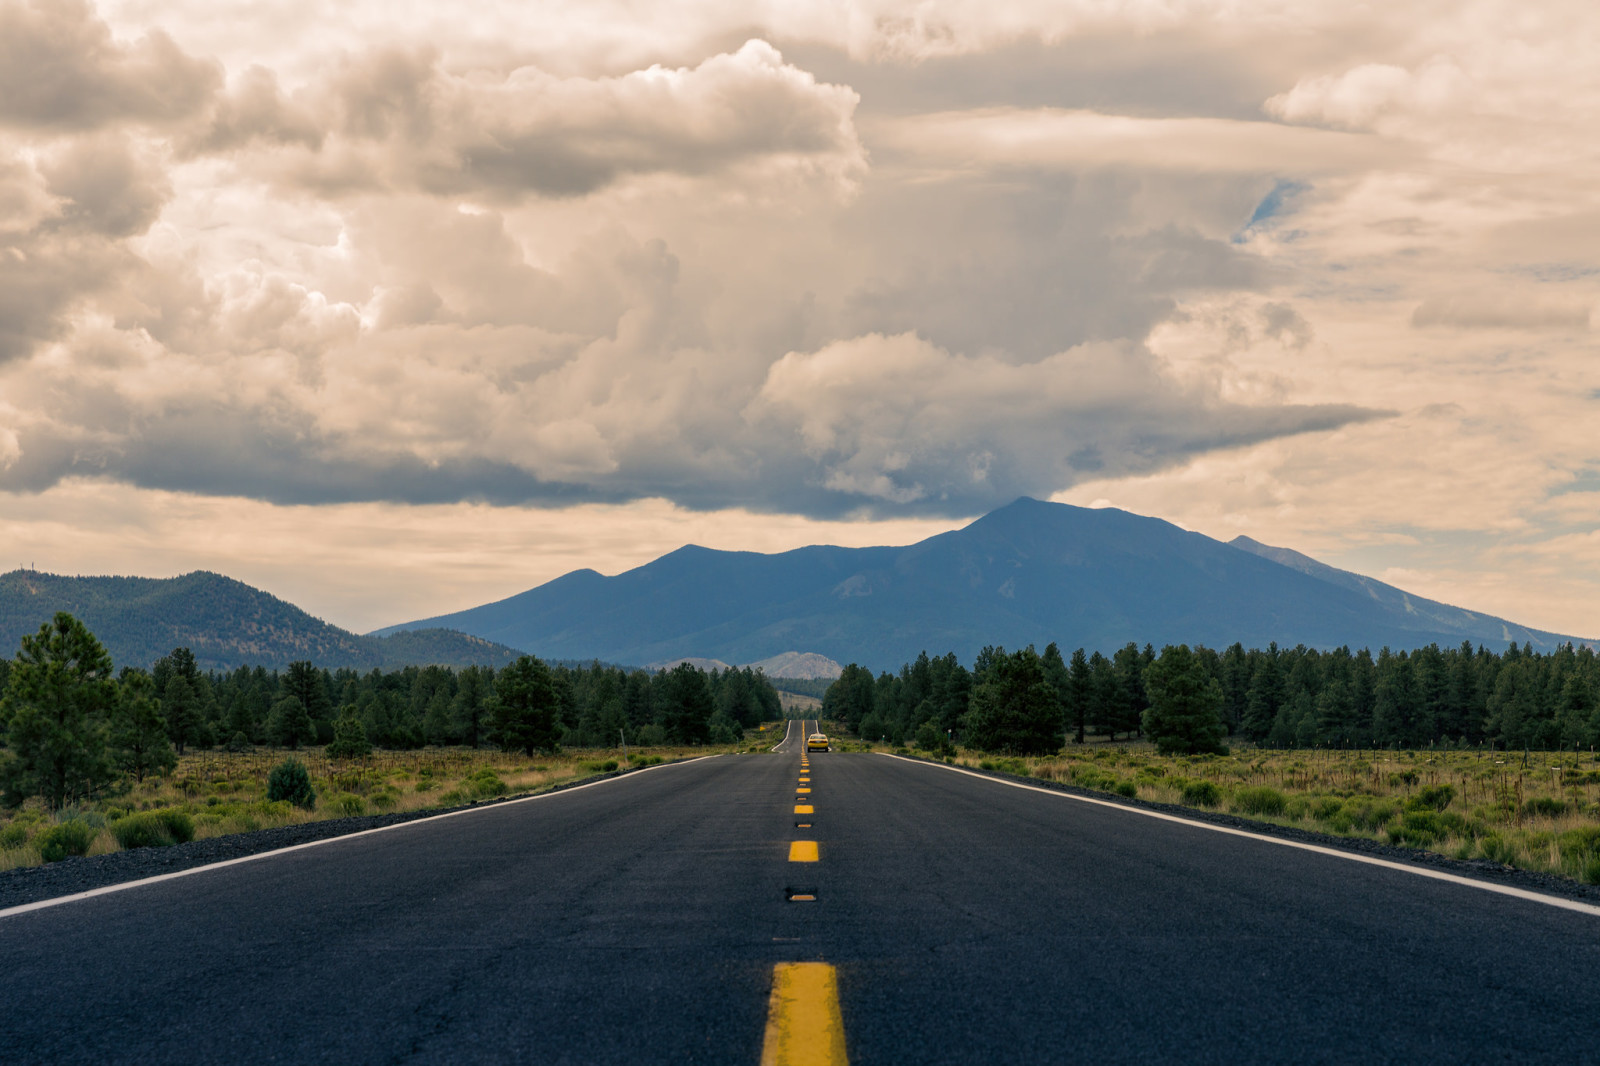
(608,766)
(1497,848)
(1432,799)
(348,804)
(14,835)
(1297,807)
(1259,800)
(1127,788)
(291,782)
(1546,806)
(1202,794)
(486,783)
(453,798)
(385,798)
(153,829)
(1325,807)
(67,838)
(1421,828)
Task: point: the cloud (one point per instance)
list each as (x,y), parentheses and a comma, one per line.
(898,420)
(62,236)
(1077,140)
(1362,97)
(397,120)
(1502,310)
(61,70)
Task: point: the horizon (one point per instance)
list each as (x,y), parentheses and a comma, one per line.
(418,308)
(1581,640)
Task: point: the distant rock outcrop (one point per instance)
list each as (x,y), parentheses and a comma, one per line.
(800,666)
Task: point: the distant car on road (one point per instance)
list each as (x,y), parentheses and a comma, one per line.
(817,742)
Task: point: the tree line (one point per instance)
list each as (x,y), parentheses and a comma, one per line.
(1031,702)
(71,728)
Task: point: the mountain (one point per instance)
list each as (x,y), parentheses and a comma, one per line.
(1030,572)
(799,666)
(226,623)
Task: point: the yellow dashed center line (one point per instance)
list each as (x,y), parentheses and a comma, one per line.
(803,851)
(804,1026)
(804,808)
(802,790)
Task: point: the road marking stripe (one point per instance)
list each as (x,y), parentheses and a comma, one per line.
(803,851)
(37,905)
(800,808)
(804,1026)
(1437,875)
(802,789)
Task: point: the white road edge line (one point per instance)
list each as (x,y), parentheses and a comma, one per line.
(1437,875)
(785,740)
(39,905)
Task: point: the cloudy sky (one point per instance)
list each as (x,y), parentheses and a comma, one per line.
(394,308)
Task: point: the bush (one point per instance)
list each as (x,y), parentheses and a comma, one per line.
(153,829)
(67,838)
(608,766)
(291,781)
(1546,806)
(14,835)
(385,798)
(933,740)
(1421,828)
(348,804)
(1202,794)
(1325,807)
(1432,799)
(1259,800)
(1128,789)
(484,783)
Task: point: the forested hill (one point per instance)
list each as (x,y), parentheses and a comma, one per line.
(1028,573)
(226,623)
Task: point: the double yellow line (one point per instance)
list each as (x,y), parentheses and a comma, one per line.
(804,1026)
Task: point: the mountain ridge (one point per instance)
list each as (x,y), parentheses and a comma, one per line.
(1029,572)
(225,622)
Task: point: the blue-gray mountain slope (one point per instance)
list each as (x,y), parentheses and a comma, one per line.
(1030,572)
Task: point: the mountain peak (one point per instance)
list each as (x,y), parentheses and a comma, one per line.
(1030,572)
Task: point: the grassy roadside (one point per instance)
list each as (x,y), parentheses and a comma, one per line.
(216,793)
(1464,804)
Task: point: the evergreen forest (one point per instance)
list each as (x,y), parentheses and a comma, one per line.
(1028,702)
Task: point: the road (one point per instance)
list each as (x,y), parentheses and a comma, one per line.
(640,920)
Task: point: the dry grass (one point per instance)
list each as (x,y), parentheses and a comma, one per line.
(225,792)
(1469,805)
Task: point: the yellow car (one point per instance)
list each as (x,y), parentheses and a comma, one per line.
(817,742)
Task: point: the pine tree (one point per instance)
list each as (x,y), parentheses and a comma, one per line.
(1185,704)
(1014,708)
(526,706)
(138,739)
(58,696)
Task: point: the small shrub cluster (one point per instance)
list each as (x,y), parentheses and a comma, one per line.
(72,837)
(153,829)
(1202,793)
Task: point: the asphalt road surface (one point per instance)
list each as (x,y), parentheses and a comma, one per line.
(639,920)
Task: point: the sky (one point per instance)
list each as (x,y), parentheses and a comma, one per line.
(396,308)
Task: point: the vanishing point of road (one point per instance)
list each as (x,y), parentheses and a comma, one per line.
(951,918)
